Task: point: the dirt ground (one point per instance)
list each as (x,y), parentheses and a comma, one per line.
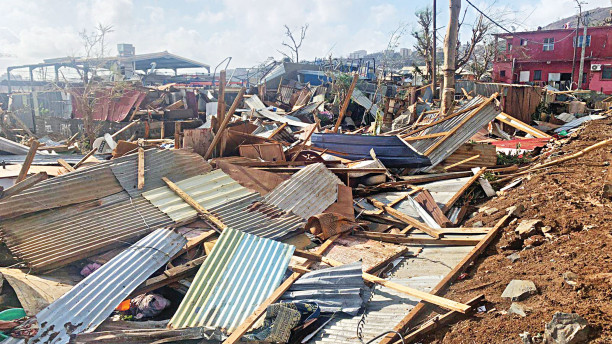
(568,198)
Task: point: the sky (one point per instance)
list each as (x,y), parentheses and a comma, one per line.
(248,31)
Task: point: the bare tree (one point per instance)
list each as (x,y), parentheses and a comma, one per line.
(483,57)
(87,96)
(424,37)
(480,29)
(296,44)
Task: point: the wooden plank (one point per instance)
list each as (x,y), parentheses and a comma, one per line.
(24,184)
(438,321)
(332,169)
(278,130)
(218,224)
(221,99)
(177,135)
(194,242)
(460,124)
(223,125)
(446,168)
(391,204)
(449,278)
(426,200)
(261,309)
(347,100)
(141,168)
(522,126)
(65,165)
(405,218)
(374,268)
(461,191)
(23,173)
(423,137)
(169,276)
(403,239)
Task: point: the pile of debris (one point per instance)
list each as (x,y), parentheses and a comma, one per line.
(280,219)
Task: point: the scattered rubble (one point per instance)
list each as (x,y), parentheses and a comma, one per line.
(518,290)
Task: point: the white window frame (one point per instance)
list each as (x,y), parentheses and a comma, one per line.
(549,44)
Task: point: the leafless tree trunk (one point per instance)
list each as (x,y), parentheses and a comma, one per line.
(294,47)
(450,51)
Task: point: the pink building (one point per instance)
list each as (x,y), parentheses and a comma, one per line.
(548,57)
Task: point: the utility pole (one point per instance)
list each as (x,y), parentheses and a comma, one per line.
(584,44)
(576,43)
(450,52)
(433,58)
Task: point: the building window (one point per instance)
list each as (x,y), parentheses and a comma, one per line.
(537,75)
(581,39)
(509,48)
(502,73)
(523,42)
(549,44)
(606,72)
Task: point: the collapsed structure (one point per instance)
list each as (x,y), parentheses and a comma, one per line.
(323,211)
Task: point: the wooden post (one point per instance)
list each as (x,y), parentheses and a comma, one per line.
(195,205)
(306,140)
(405,218)
(141,168)
(65,165)
(346,102)
(450,52)
(221,99)
(23,173)
(177,135)
(223,125)
(24,184)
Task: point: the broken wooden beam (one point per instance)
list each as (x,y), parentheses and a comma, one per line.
(23,173)
(345,104)
(224,124)
(24,184)
(446,168)
(207,215)
(91,152)
(522,126)
(405,218)
(65,165)
(403,239)
(461,191)
(141,168)
(169,276)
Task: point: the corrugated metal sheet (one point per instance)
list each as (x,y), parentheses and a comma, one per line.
(484,116)
(80,186)
(98,181)
(235,205)
(386,306)
(111,107)
(577,122)
(173,164)
(308,192)
(337,289)
(57,237)
(360,98)
(241,271)
(91,301)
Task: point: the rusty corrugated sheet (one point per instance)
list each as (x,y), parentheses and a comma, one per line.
(173,164)
(241,271)
(54,238)
(462,135)
(235,205)
(91,301)
(308,192)
(109,106)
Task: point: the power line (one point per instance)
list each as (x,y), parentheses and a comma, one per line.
(510,32)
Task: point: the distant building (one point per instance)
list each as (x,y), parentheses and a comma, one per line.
(358,54)
(547,57)
(405,52)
